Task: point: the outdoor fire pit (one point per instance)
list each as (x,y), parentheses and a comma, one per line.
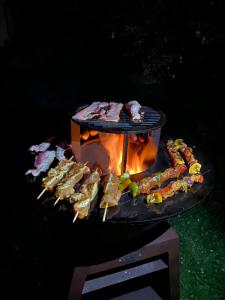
(122,146)
(137,150)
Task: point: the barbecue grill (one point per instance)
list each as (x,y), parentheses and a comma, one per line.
(88,148)
(135,210)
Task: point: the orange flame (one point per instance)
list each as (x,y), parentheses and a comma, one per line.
(113,143)
(141,152)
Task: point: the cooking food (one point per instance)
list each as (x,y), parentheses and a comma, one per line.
(194,165)
(82,200)
(113,112)
(111,191)
(42,163)
(65,188)
(55,175)
(106,111)
(175,156)
(59,153)
(39,148)
(93,110)
(148,183)
(173,187)
(133,107)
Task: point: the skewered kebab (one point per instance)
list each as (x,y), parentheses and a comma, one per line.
(173,187)
(112,193)
(194,165)
(42,163)
(82,200)
(148,183)
(65,188)
(175,156)
(55,175)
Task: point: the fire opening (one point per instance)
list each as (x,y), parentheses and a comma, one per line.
(106,150)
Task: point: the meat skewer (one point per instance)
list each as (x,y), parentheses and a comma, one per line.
(173,187)
(148,183)
(82,200)
(113,113)
(133,107)
(112,193)
(55,175)
(42,163)
(66,186)
(194,165)
(175,156)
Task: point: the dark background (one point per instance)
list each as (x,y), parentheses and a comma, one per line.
(168,55)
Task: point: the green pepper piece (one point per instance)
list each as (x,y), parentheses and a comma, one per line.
(123,185)
(158,177)
(178,143)
(124,177)
(133,187)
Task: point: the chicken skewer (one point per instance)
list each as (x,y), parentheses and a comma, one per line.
(65,188)
(55,175)
(173,187)
(112,193)
(194,165)
(82,200)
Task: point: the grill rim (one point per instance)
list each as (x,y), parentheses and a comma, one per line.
(105,126)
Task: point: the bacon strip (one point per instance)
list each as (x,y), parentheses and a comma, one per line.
(39,148)
(133,107)
(113,114)
(93,110)
(42,163)
(60,153)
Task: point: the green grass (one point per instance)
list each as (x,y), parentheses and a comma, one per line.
(202,249)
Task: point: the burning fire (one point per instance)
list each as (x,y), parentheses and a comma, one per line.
(141,152)
(113,143)
(106,151)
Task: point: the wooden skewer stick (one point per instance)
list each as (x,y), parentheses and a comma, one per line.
(74,219)
(57,200)
(39,196)
(71,157)
(105,212)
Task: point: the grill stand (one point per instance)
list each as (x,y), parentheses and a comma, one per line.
(167,243)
